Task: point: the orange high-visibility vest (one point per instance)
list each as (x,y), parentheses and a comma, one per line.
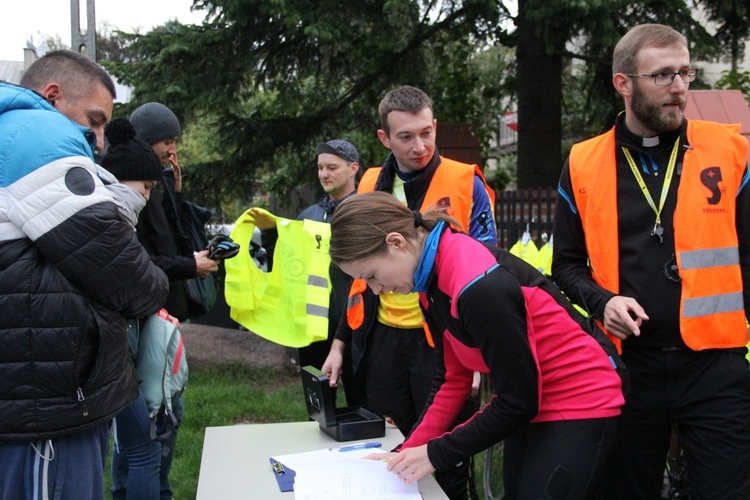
(712,314)
(452,186)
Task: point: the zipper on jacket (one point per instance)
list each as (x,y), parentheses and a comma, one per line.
(81,400)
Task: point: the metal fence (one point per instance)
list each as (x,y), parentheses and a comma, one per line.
(531,210)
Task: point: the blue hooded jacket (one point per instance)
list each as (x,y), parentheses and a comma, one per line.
(70,271)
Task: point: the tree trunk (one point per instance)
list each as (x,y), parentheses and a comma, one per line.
(539,105)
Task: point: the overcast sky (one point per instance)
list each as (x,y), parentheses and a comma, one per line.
(37,19)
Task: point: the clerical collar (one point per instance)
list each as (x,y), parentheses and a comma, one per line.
(638,143)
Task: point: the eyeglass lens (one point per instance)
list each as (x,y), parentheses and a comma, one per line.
(666,78)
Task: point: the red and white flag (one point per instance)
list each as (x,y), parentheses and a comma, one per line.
(511,120)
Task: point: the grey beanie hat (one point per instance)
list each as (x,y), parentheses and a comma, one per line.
(155,122)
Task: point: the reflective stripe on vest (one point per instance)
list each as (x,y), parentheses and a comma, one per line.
(712,312)
(712,304)
(315,309)
(713,257)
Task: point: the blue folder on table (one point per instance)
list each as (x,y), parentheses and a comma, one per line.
(284,475)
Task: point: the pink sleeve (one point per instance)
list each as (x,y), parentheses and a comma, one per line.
(444,406)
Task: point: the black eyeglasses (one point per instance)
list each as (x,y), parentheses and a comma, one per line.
(667,77)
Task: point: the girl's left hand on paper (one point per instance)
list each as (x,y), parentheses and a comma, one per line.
(383,457)
(411,464)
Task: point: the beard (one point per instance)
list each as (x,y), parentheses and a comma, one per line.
(652,115)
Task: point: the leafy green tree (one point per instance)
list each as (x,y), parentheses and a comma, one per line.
(112,44)
(277,77)
(564,57)
(732,19)
(268,80)
(732,26)
(732,79)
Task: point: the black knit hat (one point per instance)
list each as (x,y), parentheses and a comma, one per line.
(128,158)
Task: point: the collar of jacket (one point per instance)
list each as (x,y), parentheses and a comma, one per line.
(427,260)
(329,206)
(416,187)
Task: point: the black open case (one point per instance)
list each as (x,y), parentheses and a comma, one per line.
(351,423)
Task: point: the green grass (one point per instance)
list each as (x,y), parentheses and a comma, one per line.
(495,482)
(227,394)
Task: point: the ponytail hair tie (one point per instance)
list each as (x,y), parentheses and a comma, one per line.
(417,218)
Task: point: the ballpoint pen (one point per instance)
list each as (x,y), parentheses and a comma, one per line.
(361,446)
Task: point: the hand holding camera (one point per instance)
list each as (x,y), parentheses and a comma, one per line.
(222,247)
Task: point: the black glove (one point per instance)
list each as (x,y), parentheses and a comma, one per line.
(222,247)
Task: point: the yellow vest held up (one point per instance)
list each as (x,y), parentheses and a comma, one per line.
(289,305)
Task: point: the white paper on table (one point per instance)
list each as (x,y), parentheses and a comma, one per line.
(297,461)
(351,478)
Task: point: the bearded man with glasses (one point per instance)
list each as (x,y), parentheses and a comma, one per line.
(652,238)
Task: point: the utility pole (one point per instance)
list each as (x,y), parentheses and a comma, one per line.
(83,40)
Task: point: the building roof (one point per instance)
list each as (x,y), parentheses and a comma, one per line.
(11,71)
(723,106)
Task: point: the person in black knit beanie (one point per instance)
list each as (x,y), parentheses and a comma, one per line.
(136,458)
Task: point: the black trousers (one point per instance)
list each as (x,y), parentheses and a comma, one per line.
(557,460)
(706,394)
(399,369)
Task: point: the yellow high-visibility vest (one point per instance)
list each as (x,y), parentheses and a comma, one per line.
(526,251)
(289,305)
(544,260)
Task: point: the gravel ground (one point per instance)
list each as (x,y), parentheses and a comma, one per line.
(212,344)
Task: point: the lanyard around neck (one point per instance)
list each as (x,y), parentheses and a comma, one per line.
(664,189)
